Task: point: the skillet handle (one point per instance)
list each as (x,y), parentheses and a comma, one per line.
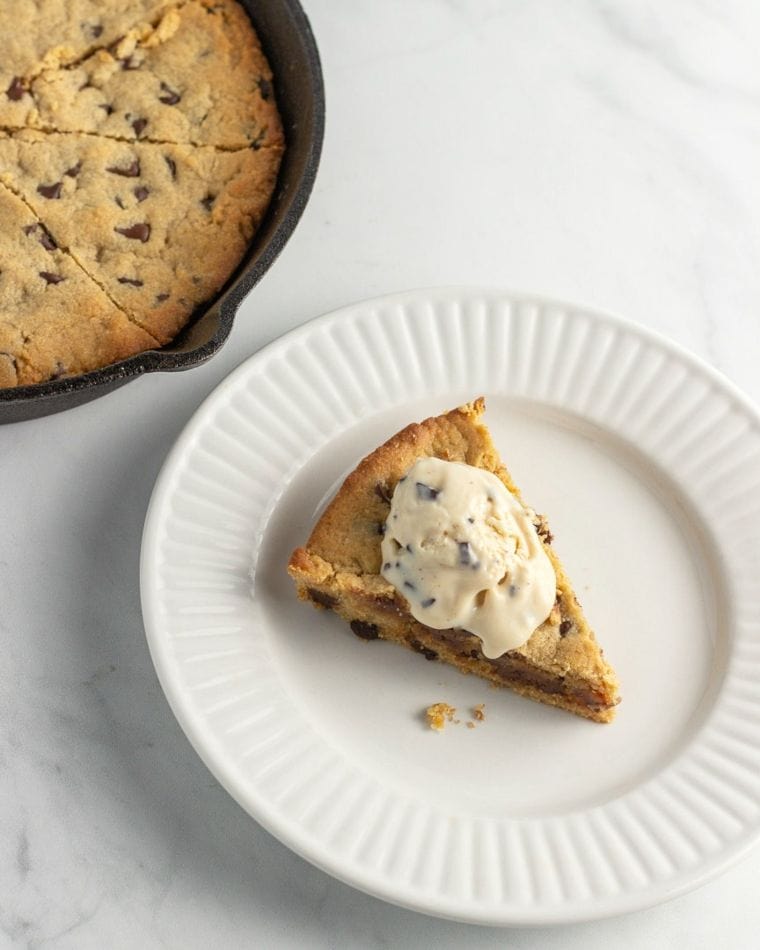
(196,343)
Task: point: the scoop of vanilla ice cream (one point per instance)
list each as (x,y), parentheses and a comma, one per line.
(465,553)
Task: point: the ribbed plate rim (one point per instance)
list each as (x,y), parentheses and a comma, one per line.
(506,914)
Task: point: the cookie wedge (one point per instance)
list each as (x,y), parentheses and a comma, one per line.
(339,568)
(54,321)
(159,228)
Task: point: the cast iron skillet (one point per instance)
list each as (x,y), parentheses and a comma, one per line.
(292,52)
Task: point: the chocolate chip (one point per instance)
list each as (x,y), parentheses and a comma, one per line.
(387,566)
(169,97)
(119,202)
(96,31)
(129,63)
(381,528)
(465,553)
(426,493)
(475,654)
(428,602)
(60,370)
(409,585)
(51,278)
(564,628)
(256,143)
(138,125)
(542,530)
(46,240)
(107,108)
(15,91)
(74,170)
(137,232)
(381,490)
(364,630)
(428,654)
(141,192)
(321,598)
(50,191)
(161,297)
(172,165)
(133,281)
(129,171)
(208,202)
(265,88)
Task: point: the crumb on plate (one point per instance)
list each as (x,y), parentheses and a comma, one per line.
(438,714)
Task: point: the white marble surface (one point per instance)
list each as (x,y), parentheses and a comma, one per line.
(605,152)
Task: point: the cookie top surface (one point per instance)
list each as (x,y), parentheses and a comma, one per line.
(158,227)
(197,77)
(49,34)
(54,321)
(143,138)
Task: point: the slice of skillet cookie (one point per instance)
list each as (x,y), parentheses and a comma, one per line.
(54,321)
(199,77)
(47,34)
(159,227)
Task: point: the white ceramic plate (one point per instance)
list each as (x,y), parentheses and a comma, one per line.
(647,463)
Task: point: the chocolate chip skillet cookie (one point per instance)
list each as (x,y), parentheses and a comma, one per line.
(139,149)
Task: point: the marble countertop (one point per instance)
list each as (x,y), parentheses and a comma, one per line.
(595,150)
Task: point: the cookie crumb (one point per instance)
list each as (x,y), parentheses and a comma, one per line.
(470,724)
(479,712)
(438,713)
